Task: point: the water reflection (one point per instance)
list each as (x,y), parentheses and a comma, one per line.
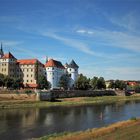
(36,122)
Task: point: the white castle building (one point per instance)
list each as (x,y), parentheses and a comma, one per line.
(55,69)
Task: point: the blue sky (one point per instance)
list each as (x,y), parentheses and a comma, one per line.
(102,36)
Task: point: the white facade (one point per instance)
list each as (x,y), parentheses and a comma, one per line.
(73,73)
(53,75)
(55,69)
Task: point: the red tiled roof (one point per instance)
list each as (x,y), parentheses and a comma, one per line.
(7,56)
(32,85)
(27,61)
(131,83)
(54,63)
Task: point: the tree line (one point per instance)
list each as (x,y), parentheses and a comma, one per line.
(95,83)
(82,83)
(17,83)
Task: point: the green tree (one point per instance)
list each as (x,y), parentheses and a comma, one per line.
(8,82)
(93,82)
(64,81)
(137,88)
(118,84)
(101,83)
(112,84)
(17,83)
(43,83)
(82,82)
(1,80)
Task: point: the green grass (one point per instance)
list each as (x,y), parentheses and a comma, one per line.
(127,130)
(63,102)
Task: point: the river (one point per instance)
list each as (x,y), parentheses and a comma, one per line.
(22,124)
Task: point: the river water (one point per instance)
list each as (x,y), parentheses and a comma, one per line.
(22,124)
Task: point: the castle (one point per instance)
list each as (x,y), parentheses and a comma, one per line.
(30,69)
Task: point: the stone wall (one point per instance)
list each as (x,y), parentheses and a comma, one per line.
(82,93)
(18,97)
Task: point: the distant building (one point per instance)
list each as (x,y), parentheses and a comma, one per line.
(29,70)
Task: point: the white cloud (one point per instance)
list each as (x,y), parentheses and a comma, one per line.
(72,43)
(115,39)
(122,73)
(126,73)
(82,31)
(8,43)
(128,21)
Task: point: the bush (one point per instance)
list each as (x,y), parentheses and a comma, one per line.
(133,118)
(28,91)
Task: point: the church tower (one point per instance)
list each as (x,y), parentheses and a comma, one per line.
(1,51)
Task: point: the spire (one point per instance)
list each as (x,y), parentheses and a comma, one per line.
(46,59)
(73,64)
(1,51)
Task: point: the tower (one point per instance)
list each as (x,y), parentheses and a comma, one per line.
(1,51)
(54,70)
(72,70)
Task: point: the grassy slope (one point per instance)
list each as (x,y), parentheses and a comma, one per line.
(128,130)
(67,102)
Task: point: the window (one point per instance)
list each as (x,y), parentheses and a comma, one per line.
(52,68)
(31,81)
(27,75)
(31,75)
(27,80)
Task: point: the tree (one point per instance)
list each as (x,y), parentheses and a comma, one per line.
(117,84)
(1,80)
(93,82)
(112,84)
(17,83)
(8,82)
(64,81)
(101,83)
(82,82)
(43,83)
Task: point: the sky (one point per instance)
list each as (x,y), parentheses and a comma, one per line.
(102,36)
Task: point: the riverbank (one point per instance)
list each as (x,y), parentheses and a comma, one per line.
(126,130)
(67,101)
